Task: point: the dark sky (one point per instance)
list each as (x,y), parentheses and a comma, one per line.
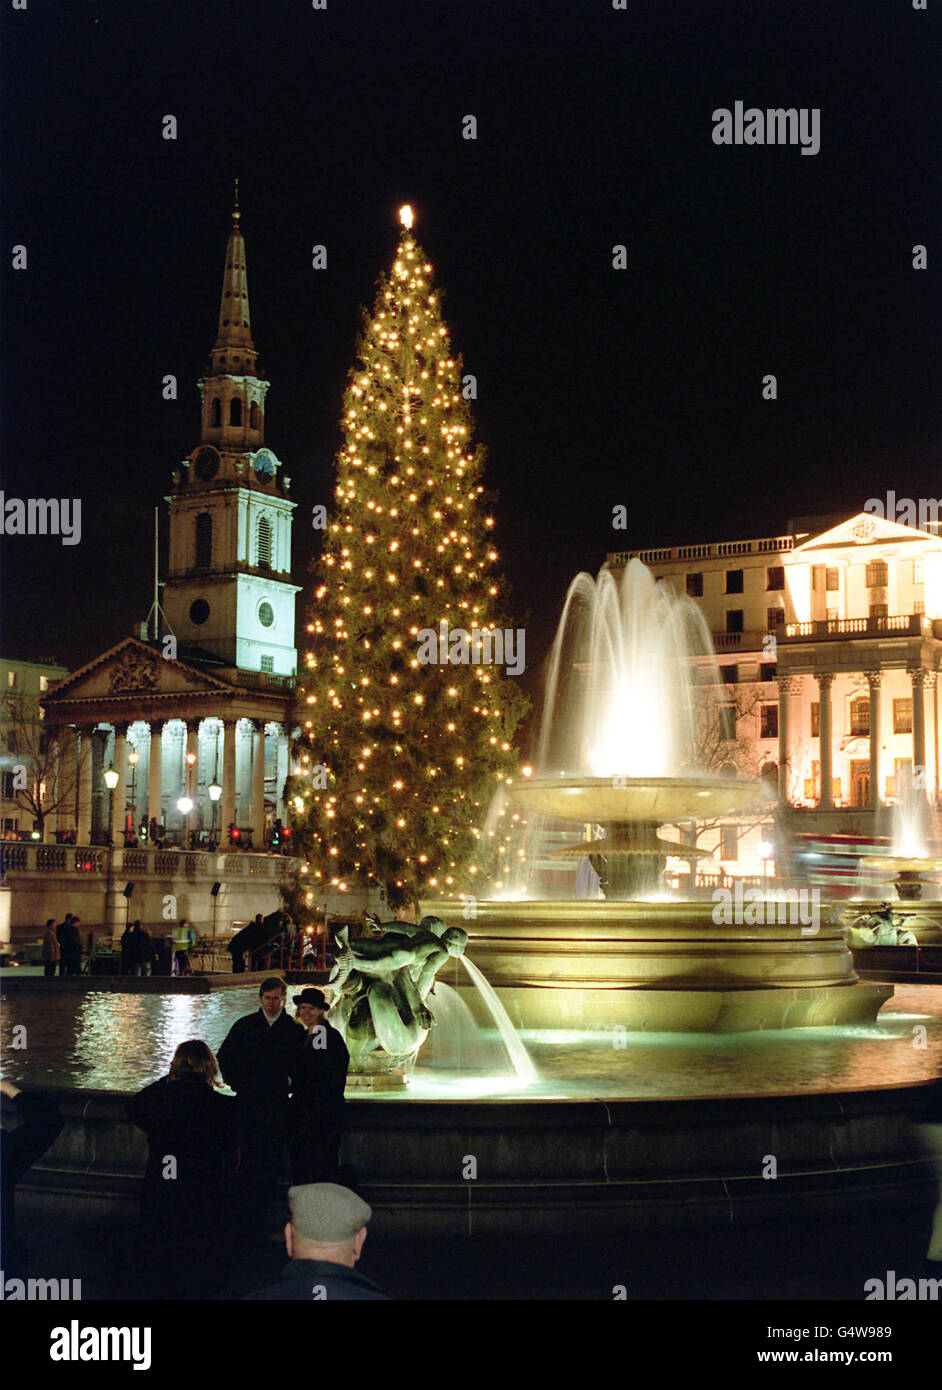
(596,387)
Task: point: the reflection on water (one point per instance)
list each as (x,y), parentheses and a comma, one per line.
(119,1042)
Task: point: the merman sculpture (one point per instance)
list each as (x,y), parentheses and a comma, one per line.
(380,986)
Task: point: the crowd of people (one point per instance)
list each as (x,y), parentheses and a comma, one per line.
(211,1183)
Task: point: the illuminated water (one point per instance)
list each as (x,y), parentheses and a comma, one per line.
(120,1042)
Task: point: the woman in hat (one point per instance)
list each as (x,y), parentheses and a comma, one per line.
(316,1118)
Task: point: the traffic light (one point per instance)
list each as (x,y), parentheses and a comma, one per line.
(275,841)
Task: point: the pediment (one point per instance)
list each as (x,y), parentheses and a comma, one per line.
(867,529)
(131,668)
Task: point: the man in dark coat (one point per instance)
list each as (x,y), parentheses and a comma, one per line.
(70,945)
(316,1111)
(20,1149)
(324,1239)
(258,1059)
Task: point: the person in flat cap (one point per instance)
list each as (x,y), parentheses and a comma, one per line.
(324,1239)
(315,1121)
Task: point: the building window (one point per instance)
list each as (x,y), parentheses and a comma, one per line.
(235,411)
(204,540)
(775,617)
(860,717)
(919,571)
(768,721)
(729,842)
(266,614)
(216,420)
(11,679)
(876,574)
(919,607)
(267,663)
(44,682)
(726,714)
(768,670)
(879,610)
(775,577)
(768,777)
(832,580)
(199,612)
(695,585)
(902,716)
(734,620)
(8,792)
(832,615)
(734,581)
(729,675)
(253,416)
(263,543)
(815,719)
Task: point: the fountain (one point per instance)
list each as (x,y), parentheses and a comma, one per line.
(631,689)
(911,869)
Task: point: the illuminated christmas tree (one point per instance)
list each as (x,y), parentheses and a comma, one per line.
(407,717)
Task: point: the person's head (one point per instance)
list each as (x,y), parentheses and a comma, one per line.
(271,995)
(193,1061)
(311,1006)
(258,917)
(328,1222)
(137,924)
(51,923)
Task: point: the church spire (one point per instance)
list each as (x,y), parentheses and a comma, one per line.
(234,351)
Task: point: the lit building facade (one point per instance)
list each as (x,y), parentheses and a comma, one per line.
(23,748)
(830,645)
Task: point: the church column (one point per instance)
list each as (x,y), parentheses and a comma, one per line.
(155,772)
(875,681)
(787,687)
(918,679)
(825,680)
(119,795)
(227,801)
(258,783)
(84,760)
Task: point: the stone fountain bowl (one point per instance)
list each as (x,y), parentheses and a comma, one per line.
(612,800)
(891,864)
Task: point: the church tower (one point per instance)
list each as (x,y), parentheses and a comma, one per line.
(228,594)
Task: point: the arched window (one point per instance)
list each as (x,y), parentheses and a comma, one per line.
(253,416)
(263,546)
(217,413)
(204,540)
(768,777)
(235,411)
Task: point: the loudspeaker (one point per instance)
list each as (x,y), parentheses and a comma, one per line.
(215,889)
(128,889)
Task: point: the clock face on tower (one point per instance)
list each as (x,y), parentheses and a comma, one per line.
(206,463)
(264,466)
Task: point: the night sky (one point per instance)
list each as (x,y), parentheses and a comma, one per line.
(596,387)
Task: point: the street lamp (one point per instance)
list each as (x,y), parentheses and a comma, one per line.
(111,781)
(185,806)
(215,792)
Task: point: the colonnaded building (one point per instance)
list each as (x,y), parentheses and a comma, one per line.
(829,642)
(184,729)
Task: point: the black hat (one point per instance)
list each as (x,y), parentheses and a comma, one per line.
(311,996)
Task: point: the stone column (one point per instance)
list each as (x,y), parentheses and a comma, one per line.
(51,796)
(918,678)
(119,795)
(825,680)
(258,783)
(83,828)
(784,690)
(155,772)
(875,681)
(227,800)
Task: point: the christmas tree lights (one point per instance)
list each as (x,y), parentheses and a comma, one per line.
(398,759)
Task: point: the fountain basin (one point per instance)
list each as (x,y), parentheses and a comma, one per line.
(617,800)
(664,966)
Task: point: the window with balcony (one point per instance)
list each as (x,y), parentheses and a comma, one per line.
(729,842)
(734,620)
(768,721)
(832,580)
(877,574)
(902,716)
(775,577)
(734,581)
(879,610)
(775,618)
(695,585)
(860,717)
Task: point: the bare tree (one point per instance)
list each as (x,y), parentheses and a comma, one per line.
(42,767)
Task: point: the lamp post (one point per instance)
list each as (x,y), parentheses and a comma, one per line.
(187,788)
(133,759)
(215,792)
(185,806)
(111,781)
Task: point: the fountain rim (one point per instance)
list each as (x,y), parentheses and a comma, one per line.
(736,794)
